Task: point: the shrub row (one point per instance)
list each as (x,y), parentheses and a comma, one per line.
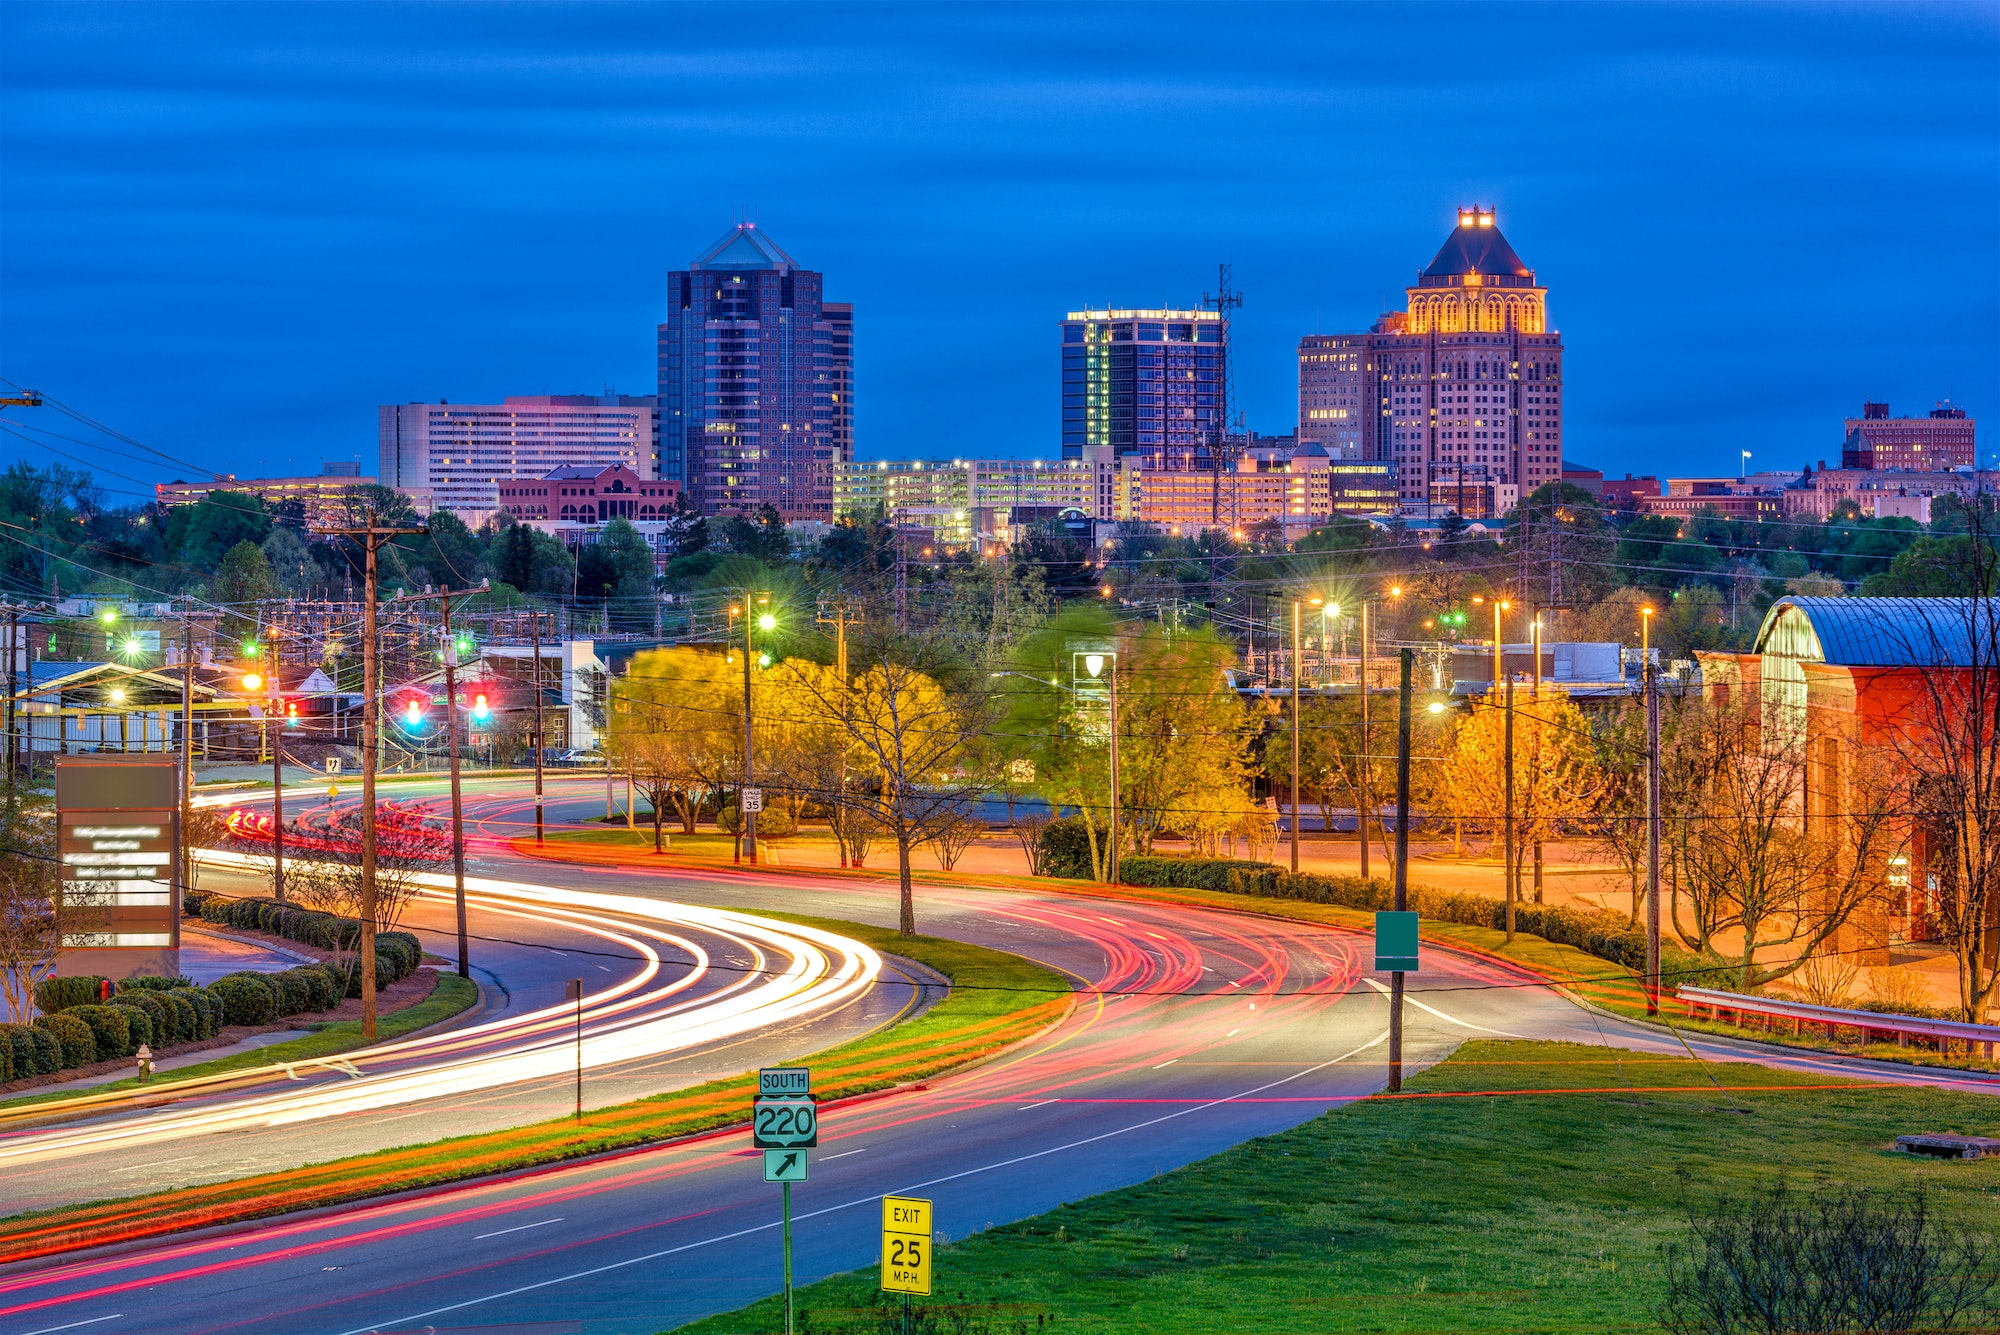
(156,1012)
(397,954)
(1605,935)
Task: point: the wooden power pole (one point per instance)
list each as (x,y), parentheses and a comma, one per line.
(372,537)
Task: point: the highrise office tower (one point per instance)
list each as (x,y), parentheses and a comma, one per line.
(1147,382)
(756,381)
(456,456)
(1464,385)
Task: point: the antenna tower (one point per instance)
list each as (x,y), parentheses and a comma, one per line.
(1220,455)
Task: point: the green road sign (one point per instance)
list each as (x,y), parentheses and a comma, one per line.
(778,1081)
(784,1165)
(1396,943)
(787,1123)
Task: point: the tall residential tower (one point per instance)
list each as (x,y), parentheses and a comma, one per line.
(1145,382)
(1463,388)
(756,381)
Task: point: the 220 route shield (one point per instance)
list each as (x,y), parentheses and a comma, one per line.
(785,1123)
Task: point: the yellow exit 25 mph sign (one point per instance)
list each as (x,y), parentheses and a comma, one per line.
(906,1245)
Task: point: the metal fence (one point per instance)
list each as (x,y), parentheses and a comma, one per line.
(1833,1019)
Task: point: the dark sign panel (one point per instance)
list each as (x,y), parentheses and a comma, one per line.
(117,909)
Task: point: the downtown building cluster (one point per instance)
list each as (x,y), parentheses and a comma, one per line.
(1450,406)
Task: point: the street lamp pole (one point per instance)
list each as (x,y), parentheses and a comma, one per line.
(1097,665)
(1507,846)
(1361,815)
(1295,737)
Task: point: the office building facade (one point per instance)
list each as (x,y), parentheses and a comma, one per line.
(1464,384)
(756,376)
(1942,440)
(457,456)
(1142,381)
(324,498)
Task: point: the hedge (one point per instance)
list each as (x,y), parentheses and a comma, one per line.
(78,1045)
(59,994)
(1066,849)
(29,1050)
(246,998)
(110,1026)
(159,1017)
(397,954)
(1604,934)
(207,1008)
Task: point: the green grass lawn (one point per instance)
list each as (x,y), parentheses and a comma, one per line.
(1484,1201)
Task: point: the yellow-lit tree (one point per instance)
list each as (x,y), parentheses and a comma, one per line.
(676,727)
(1556,771)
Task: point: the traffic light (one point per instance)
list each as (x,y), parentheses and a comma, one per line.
(481,711)
(291,713)
(767,622)
(413,714)
(250,649)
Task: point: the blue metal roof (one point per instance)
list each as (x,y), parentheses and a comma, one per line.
(1887,632)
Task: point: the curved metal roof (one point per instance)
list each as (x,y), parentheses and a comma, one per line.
(1891,632)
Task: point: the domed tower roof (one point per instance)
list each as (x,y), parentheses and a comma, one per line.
(1475,246)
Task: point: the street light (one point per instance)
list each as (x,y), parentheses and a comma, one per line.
(746,819)
(1645,636)
(1098,665)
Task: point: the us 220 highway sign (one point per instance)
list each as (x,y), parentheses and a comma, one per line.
(787,1123)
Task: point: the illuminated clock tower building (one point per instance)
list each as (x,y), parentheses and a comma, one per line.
(1463,388)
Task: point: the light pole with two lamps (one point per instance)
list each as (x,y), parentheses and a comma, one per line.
(1105,665)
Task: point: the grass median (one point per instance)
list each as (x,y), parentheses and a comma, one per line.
(1515,1187)
(996,1000)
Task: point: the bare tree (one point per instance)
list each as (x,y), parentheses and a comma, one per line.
(1757,873)
(27,900)
(951,836)
(1945,732)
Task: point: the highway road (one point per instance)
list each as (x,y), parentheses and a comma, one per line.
(1198,1030)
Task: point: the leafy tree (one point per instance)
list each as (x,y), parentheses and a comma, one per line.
(763,538)
(213,525)
(243,577)
(1934,567)
(531,561)
(293,569)
(687,529)
(676,727)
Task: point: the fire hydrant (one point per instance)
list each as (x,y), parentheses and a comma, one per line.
(145,1063)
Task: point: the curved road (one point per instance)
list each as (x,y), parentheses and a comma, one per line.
(1197,1030)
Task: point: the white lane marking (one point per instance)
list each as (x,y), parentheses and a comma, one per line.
(1168,1062)
(157,1163)
(1043,1104)
(1448,1019)
(1232,1033)
(1376,1041)
(51,1330)
(518,1228)
(829,1158)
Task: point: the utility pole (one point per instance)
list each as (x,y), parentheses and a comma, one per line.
(186,865)
(1363,766)
(372,537)
(1535,703)
(1507,873)
(1295,737)
(902,584)
(841,619)
(746,820)
(271,727)
(444,597)
(1225,300)
(13,691)
(535,622)
(1111,862)
(1401,902)
(1652,839)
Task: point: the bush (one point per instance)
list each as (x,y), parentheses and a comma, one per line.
(158,1015)
(110,1026)
(247,998)
(1066,849)
(205,1005)
(140,1028)
(53,995)
(185,1019)
(1596,932)
(149,983)
(76,1045)
(24,1055)
(192,901)
(294,993)
(323,984)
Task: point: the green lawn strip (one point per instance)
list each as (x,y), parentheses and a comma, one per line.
(1527,1211)
(997,1000)
(451,996)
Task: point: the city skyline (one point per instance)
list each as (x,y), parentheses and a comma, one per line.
(1718,216)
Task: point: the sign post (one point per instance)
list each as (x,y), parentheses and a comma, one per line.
(573,991)
(784,1123)
(906,1249)
(117,908)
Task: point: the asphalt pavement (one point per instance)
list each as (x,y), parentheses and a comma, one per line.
(1200,1029)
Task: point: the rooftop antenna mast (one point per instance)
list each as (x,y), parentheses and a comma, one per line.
(1225,300)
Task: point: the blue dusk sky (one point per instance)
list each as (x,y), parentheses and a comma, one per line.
(230,232)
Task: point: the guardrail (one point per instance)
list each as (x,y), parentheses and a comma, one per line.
(1833,1019)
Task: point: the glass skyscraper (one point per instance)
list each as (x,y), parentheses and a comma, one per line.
(1146,382)
(756,381)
